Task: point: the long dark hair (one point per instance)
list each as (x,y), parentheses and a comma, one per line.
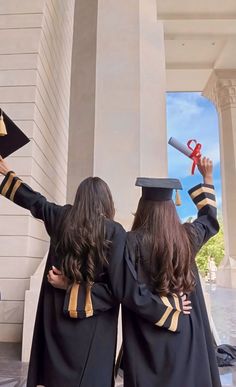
(81,246)
(169,247)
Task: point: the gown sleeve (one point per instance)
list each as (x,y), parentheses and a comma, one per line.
(164,312)
(206,224)
(14,189)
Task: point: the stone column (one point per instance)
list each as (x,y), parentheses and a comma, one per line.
(117,116)
(221,90)
(117,113)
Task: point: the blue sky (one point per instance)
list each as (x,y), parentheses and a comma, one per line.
(191,116)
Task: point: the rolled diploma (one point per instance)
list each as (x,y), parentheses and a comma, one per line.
(180,147)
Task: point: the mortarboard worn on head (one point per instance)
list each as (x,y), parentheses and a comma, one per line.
(11,137)
(159,189)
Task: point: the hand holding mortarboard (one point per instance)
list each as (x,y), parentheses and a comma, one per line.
(4,169)
(11,137)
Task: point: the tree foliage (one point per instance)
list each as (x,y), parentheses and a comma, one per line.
(213,248)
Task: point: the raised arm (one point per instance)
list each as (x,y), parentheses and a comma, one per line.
(14,189)
(203,195)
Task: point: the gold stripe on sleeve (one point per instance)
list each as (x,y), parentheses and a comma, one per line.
(174,321)
(175,317)
(165,316)
(88,302)
(8,183)
(166,302)
(206,202)
(168,311)
(201,190)
(72,308)
(176,300)
(15,188)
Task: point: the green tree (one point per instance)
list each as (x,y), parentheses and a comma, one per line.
(213,248)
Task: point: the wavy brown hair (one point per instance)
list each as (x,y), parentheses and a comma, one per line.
(167,245)
(82,246)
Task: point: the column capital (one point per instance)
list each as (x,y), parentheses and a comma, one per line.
(221,89)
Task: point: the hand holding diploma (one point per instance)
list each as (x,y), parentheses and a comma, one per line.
(205,167)
(188,150)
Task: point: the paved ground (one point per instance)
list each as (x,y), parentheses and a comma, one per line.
(13,372)
(223,307)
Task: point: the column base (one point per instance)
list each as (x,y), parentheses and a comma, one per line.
(226,275)
(30,309)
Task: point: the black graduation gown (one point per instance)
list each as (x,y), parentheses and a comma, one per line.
(155,357)
(73,352)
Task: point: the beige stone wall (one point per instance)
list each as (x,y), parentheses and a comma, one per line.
(35,63)
(118,112)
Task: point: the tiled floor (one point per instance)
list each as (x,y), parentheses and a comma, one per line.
(13,372)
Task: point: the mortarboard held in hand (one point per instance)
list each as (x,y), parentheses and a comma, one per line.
(187,150)
(160,189)
(11,137)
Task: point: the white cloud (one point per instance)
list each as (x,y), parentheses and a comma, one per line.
(179,165)
(212,150)
(182,108)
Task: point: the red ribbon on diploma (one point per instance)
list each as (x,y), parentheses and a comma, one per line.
(196,153)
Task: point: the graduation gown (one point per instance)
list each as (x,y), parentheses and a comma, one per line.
(155,357)
(73,352)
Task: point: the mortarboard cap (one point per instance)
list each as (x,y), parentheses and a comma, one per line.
(158,189)
(11,137)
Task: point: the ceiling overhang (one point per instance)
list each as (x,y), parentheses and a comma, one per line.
(200,36)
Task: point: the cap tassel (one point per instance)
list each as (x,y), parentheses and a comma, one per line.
(177,199)
(3,130)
